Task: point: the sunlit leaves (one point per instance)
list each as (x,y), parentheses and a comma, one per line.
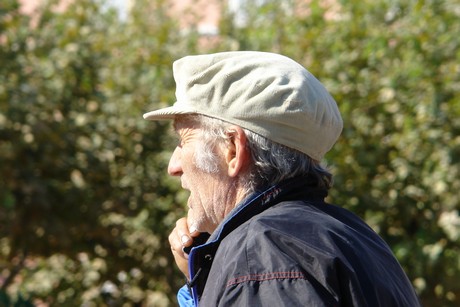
(83,176)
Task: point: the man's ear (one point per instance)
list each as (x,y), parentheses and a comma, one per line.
(237,154)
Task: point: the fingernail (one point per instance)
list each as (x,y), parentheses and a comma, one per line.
(193,229)
(184,239)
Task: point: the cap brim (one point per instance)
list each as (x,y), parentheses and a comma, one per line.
(168,113)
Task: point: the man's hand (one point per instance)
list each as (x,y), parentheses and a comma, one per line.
(182,236)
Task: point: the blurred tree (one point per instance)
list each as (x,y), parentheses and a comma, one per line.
(85,208)
(85,205)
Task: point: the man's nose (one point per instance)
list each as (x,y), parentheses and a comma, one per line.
(174,166)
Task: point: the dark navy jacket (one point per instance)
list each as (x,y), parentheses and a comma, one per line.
(287,247)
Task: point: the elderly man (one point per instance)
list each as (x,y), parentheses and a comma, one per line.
(253,128)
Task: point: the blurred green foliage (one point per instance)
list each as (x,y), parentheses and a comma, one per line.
(85,205)
(85,202)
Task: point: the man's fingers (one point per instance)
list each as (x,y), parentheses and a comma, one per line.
(179,238)
(185,232)
(185,239)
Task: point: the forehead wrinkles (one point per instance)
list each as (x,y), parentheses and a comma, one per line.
(186,120)
(206,130)
(187,135)
(181,125)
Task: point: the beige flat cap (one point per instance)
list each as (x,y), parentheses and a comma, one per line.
(266,93)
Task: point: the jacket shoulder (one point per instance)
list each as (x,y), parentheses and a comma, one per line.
(316,252)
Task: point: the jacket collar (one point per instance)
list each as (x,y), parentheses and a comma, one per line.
(200,258)
(291,189)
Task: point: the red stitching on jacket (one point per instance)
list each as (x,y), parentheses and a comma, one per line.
(266,276)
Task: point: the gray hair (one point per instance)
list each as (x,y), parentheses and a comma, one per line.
(272,162)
